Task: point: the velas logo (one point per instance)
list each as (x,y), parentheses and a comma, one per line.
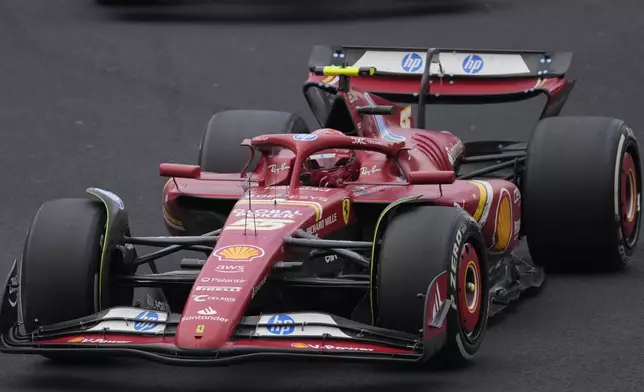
(329,347)
(239,253)
(97,341)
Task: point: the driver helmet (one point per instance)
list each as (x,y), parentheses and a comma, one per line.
(332,166)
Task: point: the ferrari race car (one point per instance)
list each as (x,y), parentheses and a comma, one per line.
(370,238)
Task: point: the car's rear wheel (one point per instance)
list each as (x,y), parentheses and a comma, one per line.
(417,246)
(60,263)
(220,150)
(581,194)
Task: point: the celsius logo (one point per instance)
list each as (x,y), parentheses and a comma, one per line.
(143,325)
(411,62)
(473,64)
(283,324)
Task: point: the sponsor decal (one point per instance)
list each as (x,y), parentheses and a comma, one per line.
(365,171)
(229,269)
(362,191)
(473,64)
(330,258)
(321,224)
(208,298)
(200,329)
(208,279)
(97,341)
(261,138)
(209,311)
(412,62)
(265,213)
(504,222)
(219,288)
(346,210)
(298,324)
(438,302)
(290,197)
(455,151)
(382,126)
(283,324)
(290,202)
(304,137)
(456,257)
(158,305)
(132,320)
(486,195)
(276,169)
(302,188)
(145,324)
(259,286)
(450,63)
(405,117)
(363,141)
(205,318)
(239,253)
(259,224)
(352,97)
(329,347)
(517,196)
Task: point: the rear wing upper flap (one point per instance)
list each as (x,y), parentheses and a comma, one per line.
(456,63)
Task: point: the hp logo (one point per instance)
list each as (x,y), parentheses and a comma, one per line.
(473,64)
(411,62)
(304,137)
(146,316)
(286,324)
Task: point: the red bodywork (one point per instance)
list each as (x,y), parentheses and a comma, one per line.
(243,257)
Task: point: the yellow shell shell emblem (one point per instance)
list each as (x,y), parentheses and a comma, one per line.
(76,340)
(503,223)
(299,345)
(239,253)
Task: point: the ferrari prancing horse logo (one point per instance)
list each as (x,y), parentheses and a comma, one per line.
(346,210)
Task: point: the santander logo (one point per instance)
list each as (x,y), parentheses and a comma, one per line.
(209,311)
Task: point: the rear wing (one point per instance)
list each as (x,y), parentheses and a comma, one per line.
(453,75)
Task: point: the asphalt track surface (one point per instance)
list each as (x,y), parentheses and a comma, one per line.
(95,96)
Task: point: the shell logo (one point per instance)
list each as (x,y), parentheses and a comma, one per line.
(503,222)
(76,340)
(239,253)
(299,345)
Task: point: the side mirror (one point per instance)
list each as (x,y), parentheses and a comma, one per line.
(432,177)
(179,170)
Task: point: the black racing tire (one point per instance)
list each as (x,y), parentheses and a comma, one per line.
(581,192)
(220,150)
(61,261)
(416,247)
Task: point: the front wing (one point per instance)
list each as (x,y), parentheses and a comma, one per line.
(314,336)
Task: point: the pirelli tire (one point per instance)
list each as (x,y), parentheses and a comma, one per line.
(220,150)
(419,244)
(581,188)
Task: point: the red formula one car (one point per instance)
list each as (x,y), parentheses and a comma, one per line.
(371,238)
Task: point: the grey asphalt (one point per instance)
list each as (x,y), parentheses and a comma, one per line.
(95,96)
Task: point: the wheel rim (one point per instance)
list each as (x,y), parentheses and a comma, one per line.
(629,209)
(470,290)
